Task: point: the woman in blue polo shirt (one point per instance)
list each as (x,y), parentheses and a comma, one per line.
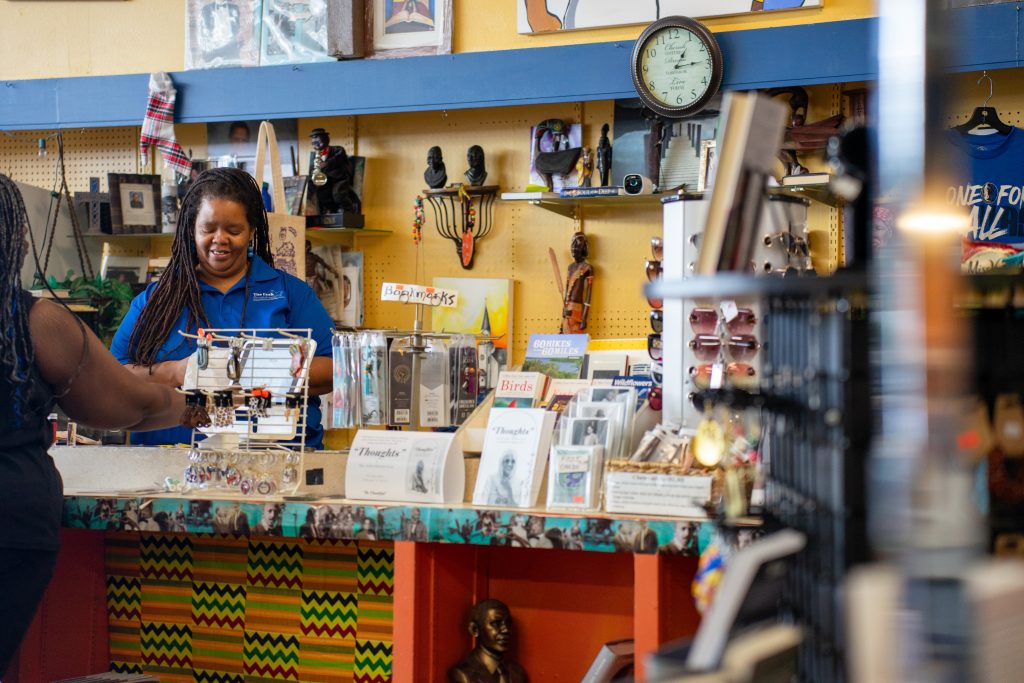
(220,276)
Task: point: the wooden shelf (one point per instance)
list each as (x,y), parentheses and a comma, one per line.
(342,235)
(598,531)
(568,206)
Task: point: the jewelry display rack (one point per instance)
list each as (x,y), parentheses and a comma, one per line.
(246,448)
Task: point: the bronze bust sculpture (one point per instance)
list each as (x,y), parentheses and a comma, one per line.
(435,176)
(491,624)
(477,172)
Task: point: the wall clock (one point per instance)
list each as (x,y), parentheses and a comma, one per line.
(676,67)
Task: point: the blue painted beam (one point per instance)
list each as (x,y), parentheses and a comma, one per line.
(596,71)
(830,52)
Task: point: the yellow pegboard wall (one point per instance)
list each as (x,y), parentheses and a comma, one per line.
(396,149)
(824,223)
(88,152)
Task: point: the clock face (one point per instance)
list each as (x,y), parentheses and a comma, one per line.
(677,66)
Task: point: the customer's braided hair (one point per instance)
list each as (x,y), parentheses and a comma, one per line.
(178,288)
(16,354)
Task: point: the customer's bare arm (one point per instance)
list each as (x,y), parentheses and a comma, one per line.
(103,393)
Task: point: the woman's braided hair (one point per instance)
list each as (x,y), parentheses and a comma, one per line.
(178,288)
(16,353)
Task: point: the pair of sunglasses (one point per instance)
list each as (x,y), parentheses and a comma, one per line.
(738,375)
(740,347)
(654,346)
(706,321)
(656,320)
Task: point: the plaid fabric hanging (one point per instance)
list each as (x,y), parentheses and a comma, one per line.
(158,126)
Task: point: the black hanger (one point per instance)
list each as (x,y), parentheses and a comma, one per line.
(984,116)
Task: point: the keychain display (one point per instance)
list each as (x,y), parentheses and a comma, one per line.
(251,473)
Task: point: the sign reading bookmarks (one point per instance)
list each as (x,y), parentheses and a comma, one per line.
(414,467)
(419,294)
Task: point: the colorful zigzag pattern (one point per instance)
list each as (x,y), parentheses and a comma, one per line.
(204,676)
(329,614)
(124,598)
(376,573)
(277,565)
(218,604)
(166,645)
(373,661)
(166,557)
(271,655)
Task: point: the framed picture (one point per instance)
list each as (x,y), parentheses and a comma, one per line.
(221,33)
(403,28)
(705,174)
(134,203)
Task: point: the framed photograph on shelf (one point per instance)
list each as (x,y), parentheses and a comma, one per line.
(404,28)
(220,33)
(134,203)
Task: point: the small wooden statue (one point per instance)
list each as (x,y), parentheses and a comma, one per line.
(584,168)
(578,286)
(490,623)
(604,156)
(476,174)
(435,176)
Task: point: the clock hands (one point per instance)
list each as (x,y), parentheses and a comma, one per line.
(681,65)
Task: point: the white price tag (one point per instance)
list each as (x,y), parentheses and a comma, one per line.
(716,376)
(729,310)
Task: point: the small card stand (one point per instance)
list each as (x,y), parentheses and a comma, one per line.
(405,467)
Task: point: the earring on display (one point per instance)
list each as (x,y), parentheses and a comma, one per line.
(203,349)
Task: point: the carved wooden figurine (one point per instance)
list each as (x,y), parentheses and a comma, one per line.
(578,286)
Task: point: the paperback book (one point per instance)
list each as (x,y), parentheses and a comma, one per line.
(514,454)
(559,356)
(519,389)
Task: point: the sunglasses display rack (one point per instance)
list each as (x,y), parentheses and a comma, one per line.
(813,391)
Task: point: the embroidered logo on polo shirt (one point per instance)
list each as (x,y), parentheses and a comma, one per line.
(270,295)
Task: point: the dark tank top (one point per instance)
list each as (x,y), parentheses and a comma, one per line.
(31,493)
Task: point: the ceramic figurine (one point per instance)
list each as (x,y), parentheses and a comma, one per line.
(584,168)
